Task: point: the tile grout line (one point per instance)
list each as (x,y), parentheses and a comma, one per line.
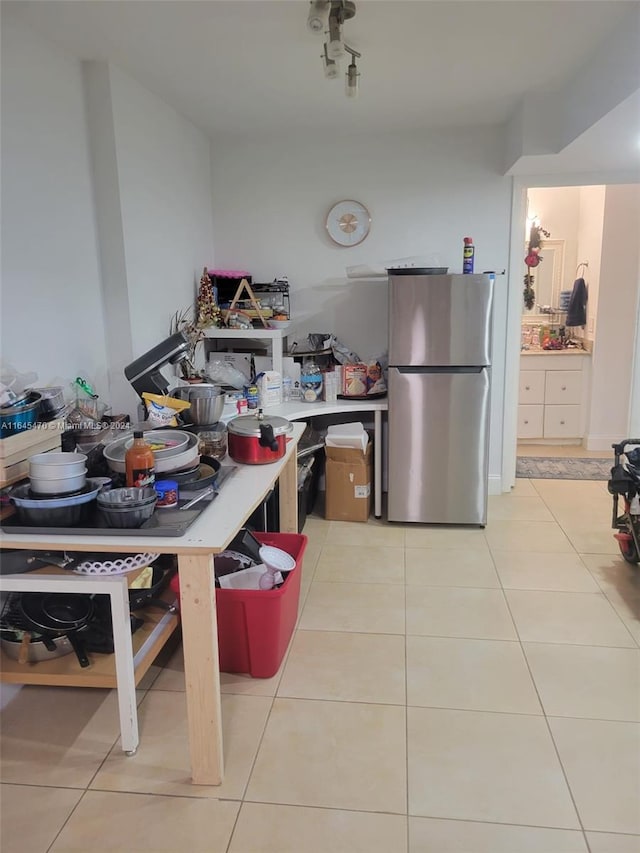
(546,721)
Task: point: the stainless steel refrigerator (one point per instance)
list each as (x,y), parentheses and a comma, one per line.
(439,393)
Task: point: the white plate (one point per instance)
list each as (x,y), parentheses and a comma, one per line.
(115,451)
(173,441)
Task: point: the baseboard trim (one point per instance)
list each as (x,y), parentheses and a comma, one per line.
(495,484)
(602,442)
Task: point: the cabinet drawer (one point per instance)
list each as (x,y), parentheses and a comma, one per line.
(563,387)
(562,422)
(530,421)
(531,386)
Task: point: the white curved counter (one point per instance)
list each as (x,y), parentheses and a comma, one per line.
(299,410)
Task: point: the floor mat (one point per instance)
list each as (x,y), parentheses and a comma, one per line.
(563,468)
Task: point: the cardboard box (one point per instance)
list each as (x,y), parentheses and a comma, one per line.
(348,484)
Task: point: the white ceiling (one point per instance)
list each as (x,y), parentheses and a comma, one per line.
(252,66)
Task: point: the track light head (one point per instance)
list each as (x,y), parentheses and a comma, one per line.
(331,67)
(318,19)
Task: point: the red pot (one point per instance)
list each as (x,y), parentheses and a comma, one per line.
(257,439)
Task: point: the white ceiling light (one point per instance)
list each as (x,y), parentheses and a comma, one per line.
(352,78)
(328,16)
(318,19)
(331,67)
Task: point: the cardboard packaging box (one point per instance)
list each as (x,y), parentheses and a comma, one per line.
(348,483)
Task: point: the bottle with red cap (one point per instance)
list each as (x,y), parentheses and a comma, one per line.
(467,255)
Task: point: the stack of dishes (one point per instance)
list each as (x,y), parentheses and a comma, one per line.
(173,451)
(46,511)
(127,507)
(57,474)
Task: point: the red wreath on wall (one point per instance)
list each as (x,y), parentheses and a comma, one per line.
(532,259)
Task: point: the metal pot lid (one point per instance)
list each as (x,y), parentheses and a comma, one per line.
(249,425)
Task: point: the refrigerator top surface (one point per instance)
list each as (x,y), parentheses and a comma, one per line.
(440,320)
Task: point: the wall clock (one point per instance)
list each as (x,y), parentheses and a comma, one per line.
(348,223)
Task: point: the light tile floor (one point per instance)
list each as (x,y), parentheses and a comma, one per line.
(446,691)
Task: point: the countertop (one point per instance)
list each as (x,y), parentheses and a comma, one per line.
(555,352)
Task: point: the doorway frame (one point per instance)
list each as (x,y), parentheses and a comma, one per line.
(521,183)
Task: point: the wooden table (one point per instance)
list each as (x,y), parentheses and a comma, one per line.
(208,535)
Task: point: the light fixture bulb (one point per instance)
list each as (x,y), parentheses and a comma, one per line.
(318,19)
(331,68)
(335,48)
(352,80)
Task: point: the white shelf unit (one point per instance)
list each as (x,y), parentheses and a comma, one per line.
(276,337)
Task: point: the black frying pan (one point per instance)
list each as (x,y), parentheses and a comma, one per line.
(56,614)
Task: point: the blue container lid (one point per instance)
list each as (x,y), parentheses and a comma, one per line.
(166,484)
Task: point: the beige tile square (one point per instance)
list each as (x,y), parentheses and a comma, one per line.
(459,612)
(523,488)
(333,754)
(463,836)
(560,572)
(123,823)
(601,762)
(539,536)
(58,735)
(316,529)
(448,567)
(481,675)
(619,581)
(567,617)
(509,507)
(361,564)
(346,666)
(589,539)
(471,765)
(605,842)
(161,764)
(374,532)
(265,828)
(586,681)
(171,677)
(32,817)
(369,608)
(458,538)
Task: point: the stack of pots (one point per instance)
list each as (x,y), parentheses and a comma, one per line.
(57,473)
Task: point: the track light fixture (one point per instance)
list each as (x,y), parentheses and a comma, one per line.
(352,77)
(328,17)
(318,19)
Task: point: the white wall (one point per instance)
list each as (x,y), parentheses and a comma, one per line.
(612,367)
(107,216)
(425,192)
(153,198)
(590,228)
(51,303)
(165,193)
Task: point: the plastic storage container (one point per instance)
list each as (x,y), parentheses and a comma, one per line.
(255,626)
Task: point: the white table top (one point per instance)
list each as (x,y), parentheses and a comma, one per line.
(296,409)
(210,533)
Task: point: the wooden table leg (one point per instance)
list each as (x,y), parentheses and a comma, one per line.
(288,483)
(201,667)
(377,464)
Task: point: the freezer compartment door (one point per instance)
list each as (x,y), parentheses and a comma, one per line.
(438,446)
(440,320)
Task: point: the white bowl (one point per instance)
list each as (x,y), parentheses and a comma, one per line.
(58,485)
(279,324)
(54,466)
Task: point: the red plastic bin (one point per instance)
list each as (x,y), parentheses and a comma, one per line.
(255,626)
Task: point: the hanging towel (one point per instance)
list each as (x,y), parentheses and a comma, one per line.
(577,310)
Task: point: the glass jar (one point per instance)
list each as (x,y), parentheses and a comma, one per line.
(213,443)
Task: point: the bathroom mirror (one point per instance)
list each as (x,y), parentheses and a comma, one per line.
(547,277)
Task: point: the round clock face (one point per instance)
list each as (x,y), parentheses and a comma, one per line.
(348,223)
